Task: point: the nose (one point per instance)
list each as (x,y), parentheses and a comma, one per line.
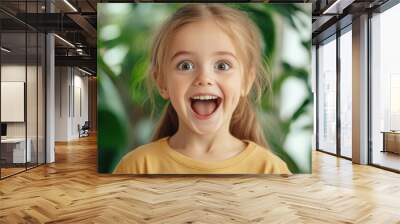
(203,79)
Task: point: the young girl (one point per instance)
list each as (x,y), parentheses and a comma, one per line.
(206,60)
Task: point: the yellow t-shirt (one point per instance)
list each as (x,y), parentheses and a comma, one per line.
(159,158)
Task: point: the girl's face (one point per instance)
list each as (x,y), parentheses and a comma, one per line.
(203,77)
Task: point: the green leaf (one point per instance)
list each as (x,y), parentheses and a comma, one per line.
(113,131)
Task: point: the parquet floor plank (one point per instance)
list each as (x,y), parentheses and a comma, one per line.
(71,191)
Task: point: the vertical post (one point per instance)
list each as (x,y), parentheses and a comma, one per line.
(37,88)
(316,97)
(26,87)
(360,90)
(338,76)
(369,80)
(50,93)
(0,95)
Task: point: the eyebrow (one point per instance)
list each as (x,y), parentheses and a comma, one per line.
(216,53)
(180,53)
(226,53)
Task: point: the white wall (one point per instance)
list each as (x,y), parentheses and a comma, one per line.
(33,126)
(61,103)
(13,73)
(71,94)
(80,109)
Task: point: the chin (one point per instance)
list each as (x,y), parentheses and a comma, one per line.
(206,129)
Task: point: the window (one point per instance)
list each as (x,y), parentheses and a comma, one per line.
(385,89)
(327,96)
(346,93)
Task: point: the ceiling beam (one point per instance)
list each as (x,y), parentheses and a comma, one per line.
(86,27)
(82,61)
(337,7)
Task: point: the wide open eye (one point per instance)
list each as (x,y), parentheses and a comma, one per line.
(185,66)
(222,66)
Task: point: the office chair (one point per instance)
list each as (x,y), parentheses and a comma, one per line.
(84,130)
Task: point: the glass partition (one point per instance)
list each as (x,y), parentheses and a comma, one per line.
(346,93)
(385,89)
(14,153)
(22,87)
(327,96)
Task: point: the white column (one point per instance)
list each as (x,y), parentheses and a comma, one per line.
(50,110)
(360,90)
(50,93)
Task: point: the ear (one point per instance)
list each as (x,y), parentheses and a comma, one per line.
(248,82)
(162,89)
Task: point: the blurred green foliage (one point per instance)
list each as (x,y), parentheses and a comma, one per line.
(125,32)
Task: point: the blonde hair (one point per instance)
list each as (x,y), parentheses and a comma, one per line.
(247,39)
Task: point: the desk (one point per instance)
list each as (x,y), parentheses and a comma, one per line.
(16,147)
(391,141)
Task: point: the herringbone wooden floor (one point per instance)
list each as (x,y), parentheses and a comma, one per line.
(70,191)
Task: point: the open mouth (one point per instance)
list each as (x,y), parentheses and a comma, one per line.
(205,105)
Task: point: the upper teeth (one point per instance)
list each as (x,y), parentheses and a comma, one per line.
(206,97)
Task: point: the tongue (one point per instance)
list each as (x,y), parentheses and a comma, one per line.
(204,107)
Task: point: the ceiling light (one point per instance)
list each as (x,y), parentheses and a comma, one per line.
(70,5)
(84,71)
(64,40)
(326,11)
(5,49)
(79,51)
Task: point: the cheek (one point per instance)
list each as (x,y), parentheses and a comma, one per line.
(177,87)
(233,83)
(231,90)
